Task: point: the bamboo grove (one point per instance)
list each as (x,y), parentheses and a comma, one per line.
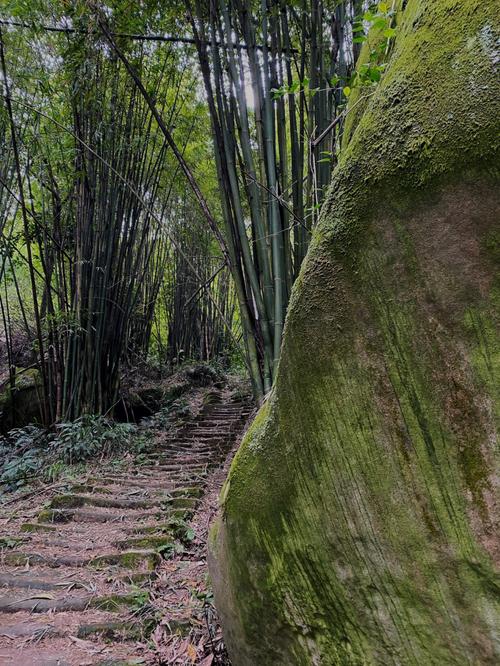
(270,73)
(90,236)
(162,172)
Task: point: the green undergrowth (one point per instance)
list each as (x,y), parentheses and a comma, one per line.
(34,453)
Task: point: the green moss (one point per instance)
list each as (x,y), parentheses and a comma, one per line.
(115,602)
(134,559)
(146,542)
(180,502)
(54,516)
(190,491)
(152,529)
(214,534)
(19,405)
(417,128)
(114,631)
(67,502)
(77,501)
(88,488)
(360,95)
(18,559)
(37,527)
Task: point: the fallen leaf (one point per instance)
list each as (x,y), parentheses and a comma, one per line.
(192,654)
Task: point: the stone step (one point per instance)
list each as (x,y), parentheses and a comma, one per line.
(79,488)
(150,542)
(185,451)
(129,559)
(182,476)
(143,508)
(184,460)
(34,604)
(27,630)
(120,492)
(134,482)
(182,502)
(88,516)
(38,650)
(232,407)
(222,423)
(184,443)
(187,468)
(221,427)
(190,445)
(145,477)
(27,559)
(70,501)
(134,560)
(150,528)
(115,631)
(37,527)
(32,583)
(207,434)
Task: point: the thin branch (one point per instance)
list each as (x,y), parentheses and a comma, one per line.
(315,142)
(127,35)
(205,284)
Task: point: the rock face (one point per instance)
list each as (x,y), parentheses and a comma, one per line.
(358,522)
(20,405)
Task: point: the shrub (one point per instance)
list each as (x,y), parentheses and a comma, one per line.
(31,453)
(91,437)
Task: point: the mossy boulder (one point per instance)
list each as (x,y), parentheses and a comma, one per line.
(359,522)
(20,404)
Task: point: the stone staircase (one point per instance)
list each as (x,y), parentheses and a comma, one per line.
(75,572)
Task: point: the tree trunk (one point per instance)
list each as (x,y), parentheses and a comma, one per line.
(359,516)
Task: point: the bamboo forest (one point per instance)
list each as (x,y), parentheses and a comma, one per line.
(249,333)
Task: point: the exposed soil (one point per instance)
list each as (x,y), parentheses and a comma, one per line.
(111,570)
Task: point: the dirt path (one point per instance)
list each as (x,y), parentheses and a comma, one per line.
(100,574)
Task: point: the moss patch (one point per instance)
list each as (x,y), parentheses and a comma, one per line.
(37,527)
(134,559)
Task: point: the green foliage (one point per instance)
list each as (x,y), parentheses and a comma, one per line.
(32,453)
(377,20)
(22,453)
(57,78)
(170,550)
(140,598)
(10,542)
(297,86)
(168,415)
(90,437)
(181,530)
